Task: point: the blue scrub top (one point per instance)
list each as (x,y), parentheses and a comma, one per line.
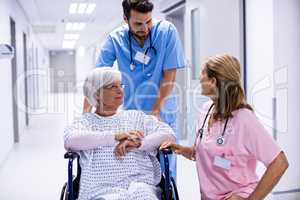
(142,86)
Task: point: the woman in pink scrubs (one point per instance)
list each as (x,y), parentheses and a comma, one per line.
(231,139)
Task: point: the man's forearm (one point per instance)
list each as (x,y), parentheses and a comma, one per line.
(165,88)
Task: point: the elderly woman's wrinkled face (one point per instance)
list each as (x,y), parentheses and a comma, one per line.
(111,95)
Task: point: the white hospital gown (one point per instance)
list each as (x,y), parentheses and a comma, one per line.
(107,177)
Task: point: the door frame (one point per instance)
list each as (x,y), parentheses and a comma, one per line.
(14,81)
(25,79)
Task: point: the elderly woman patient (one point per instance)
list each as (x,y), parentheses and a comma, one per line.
(117,148)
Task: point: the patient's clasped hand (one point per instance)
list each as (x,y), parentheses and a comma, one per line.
(128,141)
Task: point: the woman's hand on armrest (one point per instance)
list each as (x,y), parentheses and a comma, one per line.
(187,152)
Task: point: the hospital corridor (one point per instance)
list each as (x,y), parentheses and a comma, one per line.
(149,99)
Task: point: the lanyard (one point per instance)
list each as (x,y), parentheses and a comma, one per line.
(220,140)
(132,66)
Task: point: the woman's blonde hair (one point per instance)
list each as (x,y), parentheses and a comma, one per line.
(226,69)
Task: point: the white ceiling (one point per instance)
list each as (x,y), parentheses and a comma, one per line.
(52,15)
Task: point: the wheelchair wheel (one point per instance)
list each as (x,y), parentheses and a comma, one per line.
(172,191)
(63,194)
(174,188)
(64,191)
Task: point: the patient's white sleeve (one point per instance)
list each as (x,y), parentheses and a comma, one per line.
(156,132)
(78,137)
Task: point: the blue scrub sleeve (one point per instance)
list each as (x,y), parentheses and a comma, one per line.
(174,57)
(107,55)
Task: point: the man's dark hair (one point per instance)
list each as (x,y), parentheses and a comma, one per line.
(142,6)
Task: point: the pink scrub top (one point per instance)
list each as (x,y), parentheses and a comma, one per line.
(246,142)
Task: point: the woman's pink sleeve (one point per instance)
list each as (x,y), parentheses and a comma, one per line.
(258,140)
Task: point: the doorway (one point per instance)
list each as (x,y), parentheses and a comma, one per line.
(63,74)
(14,80)
(25,79)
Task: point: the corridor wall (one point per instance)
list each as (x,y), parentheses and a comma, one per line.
(273,38)
(11,8)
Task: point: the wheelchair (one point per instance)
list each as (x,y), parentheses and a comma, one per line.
(70,190)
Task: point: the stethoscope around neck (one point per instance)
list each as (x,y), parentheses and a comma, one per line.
(220,140)
(132,65)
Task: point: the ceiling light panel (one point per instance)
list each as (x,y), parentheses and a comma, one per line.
(73,8)
(76,26)
(69,26)
(90,9)
(81,8)
(81,26)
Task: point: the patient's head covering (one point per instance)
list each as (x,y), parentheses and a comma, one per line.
(96,79)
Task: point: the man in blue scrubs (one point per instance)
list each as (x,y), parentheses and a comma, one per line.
(148,53)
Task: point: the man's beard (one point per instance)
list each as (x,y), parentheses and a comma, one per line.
(138,36)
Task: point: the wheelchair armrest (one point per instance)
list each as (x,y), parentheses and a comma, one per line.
(71,155)
(166,151)
(72,191)
(167,177)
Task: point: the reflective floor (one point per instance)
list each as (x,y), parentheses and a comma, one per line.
(35,168)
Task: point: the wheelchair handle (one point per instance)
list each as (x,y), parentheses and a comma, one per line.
(166,151)
(71,155)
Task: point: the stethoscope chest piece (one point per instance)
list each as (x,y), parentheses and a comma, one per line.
(220,141)
(200,131)
(132,66)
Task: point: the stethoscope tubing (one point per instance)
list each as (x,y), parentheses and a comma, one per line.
(220,140)
(147,50)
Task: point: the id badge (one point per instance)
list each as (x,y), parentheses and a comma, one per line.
(222,162)
(142,58)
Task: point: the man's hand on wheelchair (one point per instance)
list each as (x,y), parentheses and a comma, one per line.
(187,152)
